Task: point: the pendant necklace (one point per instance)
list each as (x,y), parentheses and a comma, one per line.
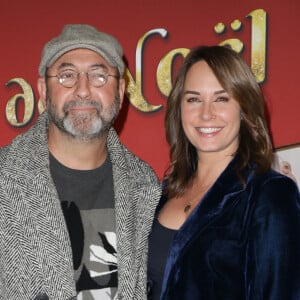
(187,207)
(200,193)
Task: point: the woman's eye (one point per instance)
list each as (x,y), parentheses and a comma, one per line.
(194,99)
(222,99)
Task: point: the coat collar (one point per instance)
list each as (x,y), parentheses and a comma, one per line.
(28,155)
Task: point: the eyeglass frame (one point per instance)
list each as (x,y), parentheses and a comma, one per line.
(105,74)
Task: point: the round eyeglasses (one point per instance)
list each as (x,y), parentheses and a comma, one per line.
(96,78)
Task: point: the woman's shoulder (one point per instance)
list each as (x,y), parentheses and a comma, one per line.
(275,180)
(274,190)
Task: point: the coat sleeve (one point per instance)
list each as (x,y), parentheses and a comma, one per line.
(273,249)
(2,245)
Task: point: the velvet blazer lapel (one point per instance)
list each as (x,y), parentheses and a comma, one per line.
(217,200)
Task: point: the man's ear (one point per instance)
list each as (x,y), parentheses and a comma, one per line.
(122,85)
(42,89)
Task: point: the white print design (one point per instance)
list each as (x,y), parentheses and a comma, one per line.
(103,294)
(100,255)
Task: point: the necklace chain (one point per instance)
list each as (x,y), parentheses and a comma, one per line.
(200,192)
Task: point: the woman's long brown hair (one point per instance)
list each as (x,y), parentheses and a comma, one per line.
(237,79)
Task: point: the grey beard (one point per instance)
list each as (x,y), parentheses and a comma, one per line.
(84,126)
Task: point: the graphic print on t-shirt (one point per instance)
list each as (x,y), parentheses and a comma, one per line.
(87,200)
(96,273)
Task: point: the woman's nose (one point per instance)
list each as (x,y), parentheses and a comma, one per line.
(207,112)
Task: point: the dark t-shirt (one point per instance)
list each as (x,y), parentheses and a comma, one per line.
(87,200)
(159,243)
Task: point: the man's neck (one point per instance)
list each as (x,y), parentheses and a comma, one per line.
(77,153)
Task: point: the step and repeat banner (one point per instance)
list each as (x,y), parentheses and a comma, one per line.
(156,35)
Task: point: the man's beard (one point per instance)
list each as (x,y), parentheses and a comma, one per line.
(84,125)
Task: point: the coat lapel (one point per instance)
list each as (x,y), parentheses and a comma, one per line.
(216,200)
(136,196)
(37,210)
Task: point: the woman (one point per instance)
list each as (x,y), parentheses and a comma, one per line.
(227,226)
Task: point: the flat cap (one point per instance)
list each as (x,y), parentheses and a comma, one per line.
(75,36)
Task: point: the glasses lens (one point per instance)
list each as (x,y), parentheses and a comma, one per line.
(97,78)
(67,78)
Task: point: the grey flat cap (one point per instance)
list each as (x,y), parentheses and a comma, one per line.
(76,36)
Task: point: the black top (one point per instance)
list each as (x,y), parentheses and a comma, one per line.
(159,243)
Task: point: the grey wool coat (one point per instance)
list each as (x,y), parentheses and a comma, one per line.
(35,252)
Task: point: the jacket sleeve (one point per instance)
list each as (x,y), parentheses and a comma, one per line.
(2,245)
(273,248)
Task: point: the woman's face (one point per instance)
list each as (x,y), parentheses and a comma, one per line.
(210,116)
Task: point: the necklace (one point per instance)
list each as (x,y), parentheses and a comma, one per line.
(187,207)
(189,204)
(197,195)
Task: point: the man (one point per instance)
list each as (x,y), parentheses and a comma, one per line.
(76,206)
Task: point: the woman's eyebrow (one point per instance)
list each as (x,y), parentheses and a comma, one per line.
(198,93)
(191,92)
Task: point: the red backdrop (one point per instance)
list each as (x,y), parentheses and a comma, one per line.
(153,34)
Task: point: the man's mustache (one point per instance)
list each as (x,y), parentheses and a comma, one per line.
(82,103)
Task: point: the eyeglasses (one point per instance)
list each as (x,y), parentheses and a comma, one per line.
(96,78)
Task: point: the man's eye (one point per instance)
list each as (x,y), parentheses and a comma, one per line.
(99,77)
(67,75)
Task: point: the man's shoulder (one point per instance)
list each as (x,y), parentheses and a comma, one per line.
(3,152)
(123,158)
(137,163)
(25,147)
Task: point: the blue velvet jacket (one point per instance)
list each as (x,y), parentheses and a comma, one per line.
(240,242)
